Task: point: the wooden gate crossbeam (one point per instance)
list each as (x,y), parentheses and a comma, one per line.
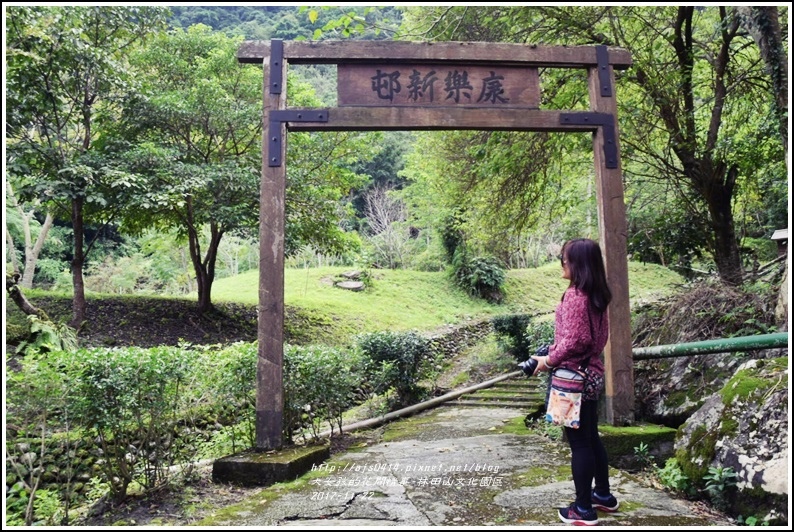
(339,52)
(441,118)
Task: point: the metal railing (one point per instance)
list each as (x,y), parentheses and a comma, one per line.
(719,345)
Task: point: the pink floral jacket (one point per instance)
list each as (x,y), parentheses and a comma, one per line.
(574,339)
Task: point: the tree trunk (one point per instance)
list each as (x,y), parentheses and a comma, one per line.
(12,252)
(78,260)
(726,247)
(32,252)
(715,184)
(204,269)
(762,22)
(21,301)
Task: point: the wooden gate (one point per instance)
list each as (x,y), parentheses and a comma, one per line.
(388,85)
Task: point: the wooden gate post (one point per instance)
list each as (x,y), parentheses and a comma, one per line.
(270,329)
(618,361)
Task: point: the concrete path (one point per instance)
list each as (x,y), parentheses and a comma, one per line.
(454,466)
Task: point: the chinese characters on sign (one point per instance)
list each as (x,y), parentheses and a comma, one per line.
(437,85)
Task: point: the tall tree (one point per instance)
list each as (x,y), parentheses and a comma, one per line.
(196,134)
(698,86)
(65,67)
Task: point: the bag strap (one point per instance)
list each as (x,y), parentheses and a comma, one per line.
(583,367)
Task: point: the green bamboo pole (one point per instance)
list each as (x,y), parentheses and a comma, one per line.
(719,345)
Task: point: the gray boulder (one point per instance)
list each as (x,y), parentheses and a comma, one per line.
(744,426)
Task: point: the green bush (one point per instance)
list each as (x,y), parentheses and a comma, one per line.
(46,336)
(762,249)
(538,333)
(144,410)
(231,384)
(673,477)
(400,361)
(479,276)
(320,383)
(37,405)
(131,400)
(509,330)
(720,483)
(520,334)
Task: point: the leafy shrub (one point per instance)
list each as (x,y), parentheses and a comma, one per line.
(762,249)
(398,362)
(37,404)
(320,383)
(720,481)
(148,409)
(509,330)
(451,235)
(673,477)
(429,260)
(538,333)
(131,400)
(643,454)
(520,335)
(232,386)
(479,276)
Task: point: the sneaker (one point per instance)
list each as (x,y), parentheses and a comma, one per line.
(574,516)
(605,504)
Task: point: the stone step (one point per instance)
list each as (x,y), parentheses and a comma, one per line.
(495,397)
(516,390)
(525,389)
(504,404)
(514,385)
(504,397)
(519,392)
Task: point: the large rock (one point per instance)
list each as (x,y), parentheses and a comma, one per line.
(744,426)
(355,286)
(668,391)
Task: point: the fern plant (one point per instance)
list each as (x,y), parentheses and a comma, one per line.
(46,336)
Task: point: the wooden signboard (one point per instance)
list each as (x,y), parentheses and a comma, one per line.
(438,85)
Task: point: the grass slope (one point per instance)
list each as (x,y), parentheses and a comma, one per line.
(405,300)
(317,311)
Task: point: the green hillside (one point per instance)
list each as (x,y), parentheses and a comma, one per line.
(316,311)
(404,300)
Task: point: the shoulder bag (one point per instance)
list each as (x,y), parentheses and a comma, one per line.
(565,397)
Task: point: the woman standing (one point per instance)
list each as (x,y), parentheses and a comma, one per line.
(580,333)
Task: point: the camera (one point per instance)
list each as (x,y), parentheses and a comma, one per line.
(529,366)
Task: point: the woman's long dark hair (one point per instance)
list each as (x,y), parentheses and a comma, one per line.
(586,267)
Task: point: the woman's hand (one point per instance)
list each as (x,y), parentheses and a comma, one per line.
(542,366)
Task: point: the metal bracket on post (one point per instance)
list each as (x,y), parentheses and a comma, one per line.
(289,115)
(607,123)
(602,58)
(276,62)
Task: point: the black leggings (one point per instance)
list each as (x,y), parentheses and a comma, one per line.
(588,456)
